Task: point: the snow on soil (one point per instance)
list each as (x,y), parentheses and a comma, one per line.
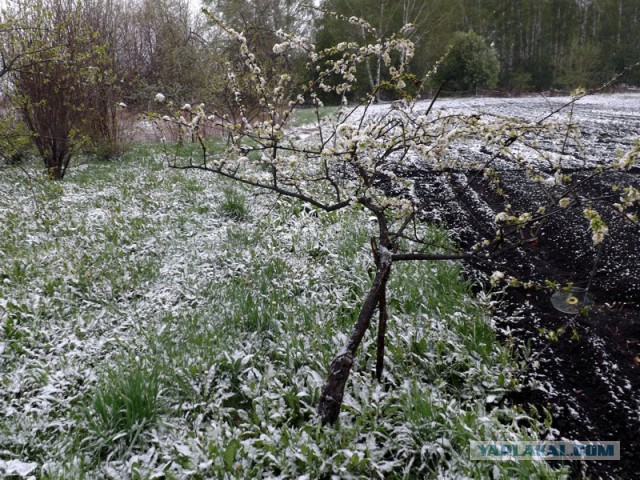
(590,383)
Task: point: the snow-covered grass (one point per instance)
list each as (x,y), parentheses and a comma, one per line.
(167,324)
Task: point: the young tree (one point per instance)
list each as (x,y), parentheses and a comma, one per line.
(162,48)
(359,160)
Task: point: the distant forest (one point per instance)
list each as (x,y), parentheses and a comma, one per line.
(142,47)
(540,44)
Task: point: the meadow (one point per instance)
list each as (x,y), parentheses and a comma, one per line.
(158,323)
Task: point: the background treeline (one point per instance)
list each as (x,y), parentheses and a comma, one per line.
(168,46)
(73,73)
(540,44)
(559,43)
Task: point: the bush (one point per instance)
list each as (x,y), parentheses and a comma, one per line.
(15,139)
(469,64)
(59,79)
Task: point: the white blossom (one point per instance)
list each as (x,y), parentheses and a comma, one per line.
(549,181)
(598,235)
(525,217)
(630,159)
(564,202)
(598,228)
(160,98)
(280,48)
(496,277)
(502,217)
(630,197)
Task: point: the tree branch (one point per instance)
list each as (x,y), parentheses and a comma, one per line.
(405,257)
(274,188)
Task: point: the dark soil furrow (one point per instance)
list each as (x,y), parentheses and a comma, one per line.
(589,378)
(589,383)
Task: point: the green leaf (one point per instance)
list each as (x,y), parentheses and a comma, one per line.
(229,455)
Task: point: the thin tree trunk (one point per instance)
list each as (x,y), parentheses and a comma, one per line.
(340,367)
(382,331)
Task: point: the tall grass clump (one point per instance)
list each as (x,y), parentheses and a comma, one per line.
(233,204)
(124,406)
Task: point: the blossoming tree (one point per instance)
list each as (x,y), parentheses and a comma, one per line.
(359,159)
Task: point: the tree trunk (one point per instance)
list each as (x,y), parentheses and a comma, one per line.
(382,332)
(340,367)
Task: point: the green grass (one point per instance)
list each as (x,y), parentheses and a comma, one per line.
(124,407)
(233,205)
(164,324)
(309,115)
